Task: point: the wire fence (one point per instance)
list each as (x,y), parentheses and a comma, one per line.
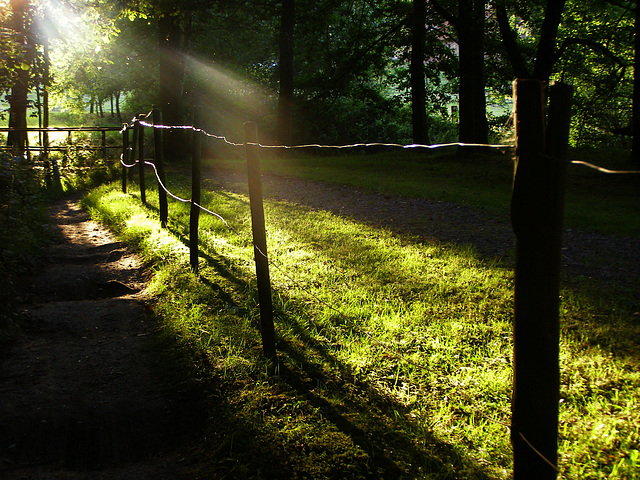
(399,146)
(388,349)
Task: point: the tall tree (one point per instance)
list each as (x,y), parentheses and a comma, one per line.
(469,25)
(18,99)
(472,100)
(286,74)
(174,29)
(419,119)
(635,118)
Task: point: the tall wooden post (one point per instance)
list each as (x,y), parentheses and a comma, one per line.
(125,156)
(143,189)
(260,241)
(196,178)
(45,100)
(159,163)
(536,210)
(104,145)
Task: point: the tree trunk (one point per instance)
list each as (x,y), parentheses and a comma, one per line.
(510,44)
(172,71)
(471,96)
(45,100)
(635,120)
(419,119)
(285,99)
(118,113)
(546,54)
(18,100)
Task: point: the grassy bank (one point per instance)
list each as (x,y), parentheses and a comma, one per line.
(395,356)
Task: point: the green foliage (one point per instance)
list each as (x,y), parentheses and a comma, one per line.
(600,69)
(351,65)
(80,168)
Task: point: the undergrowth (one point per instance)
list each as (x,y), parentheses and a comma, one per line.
(394,355)
(23,230)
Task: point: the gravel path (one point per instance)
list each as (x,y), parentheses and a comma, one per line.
(604,258)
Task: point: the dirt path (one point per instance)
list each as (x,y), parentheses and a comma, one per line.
(80,397)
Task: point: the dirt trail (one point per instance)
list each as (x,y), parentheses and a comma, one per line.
(79,395)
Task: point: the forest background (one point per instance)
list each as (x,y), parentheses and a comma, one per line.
(328,71)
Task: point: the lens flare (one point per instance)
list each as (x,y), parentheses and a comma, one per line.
(230,99)
(60,22)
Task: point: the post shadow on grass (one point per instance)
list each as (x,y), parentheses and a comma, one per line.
(376,431)
(619,338)
(221,267)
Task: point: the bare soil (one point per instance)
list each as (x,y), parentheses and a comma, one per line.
(81,396)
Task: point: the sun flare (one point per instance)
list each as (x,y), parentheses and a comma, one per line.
(59,21)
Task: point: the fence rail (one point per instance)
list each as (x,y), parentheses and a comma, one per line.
(44,147)
(61,129)
(51,165)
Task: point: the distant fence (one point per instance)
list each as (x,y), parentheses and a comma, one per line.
(44,147)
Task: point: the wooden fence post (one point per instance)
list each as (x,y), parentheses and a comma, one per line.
(143,189)
(536,212)
(125,156)
(104,145)
(57,183)
(260,241)
(159,163)
(196,178)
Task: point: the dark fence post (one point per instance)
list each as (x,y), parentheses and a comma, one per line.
(196,179)
(536,212)
(57,183)
(143,189)
(45,148)
(104,146)
(260,241)
(47,173)
(125,156)
(159,163)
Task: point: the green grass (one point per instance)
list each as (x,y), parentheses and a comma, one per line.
(395,355)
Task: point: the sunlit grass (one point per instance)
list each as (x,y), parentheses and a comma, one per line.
(395,354)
